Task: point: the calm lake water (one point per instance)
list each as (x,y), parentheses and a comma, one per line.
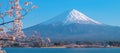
(62,50)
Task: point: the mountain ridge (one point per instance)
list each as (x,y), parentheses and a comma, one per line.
(74,31)
(73,16)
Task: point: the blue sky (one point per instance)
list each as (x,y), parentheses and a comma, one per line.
(105,11)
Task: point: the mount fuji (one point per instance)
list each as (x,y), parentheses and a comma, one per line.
(74,25)
(71,17)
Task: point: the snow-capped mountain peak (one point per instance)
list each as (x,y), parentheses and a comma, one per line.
(71,17)
(77,17)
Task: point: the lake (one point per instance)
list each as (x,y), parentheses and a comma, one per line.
(62,50)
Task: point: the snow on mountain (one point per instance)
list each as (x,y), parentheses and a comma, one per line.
(85,29)
(78,17)
(70,17)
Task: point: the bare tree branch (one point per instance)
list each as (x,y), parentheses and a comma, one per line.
(7,22)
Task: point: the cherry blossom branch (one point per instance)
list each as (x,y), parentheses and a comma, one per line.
(6,22)
(17,13)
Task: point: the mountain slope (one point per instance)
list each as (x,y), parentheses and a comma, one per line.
(74,25)
(70,17)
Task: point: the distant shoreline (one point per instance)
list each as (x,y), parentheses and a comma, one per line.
(61,47)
